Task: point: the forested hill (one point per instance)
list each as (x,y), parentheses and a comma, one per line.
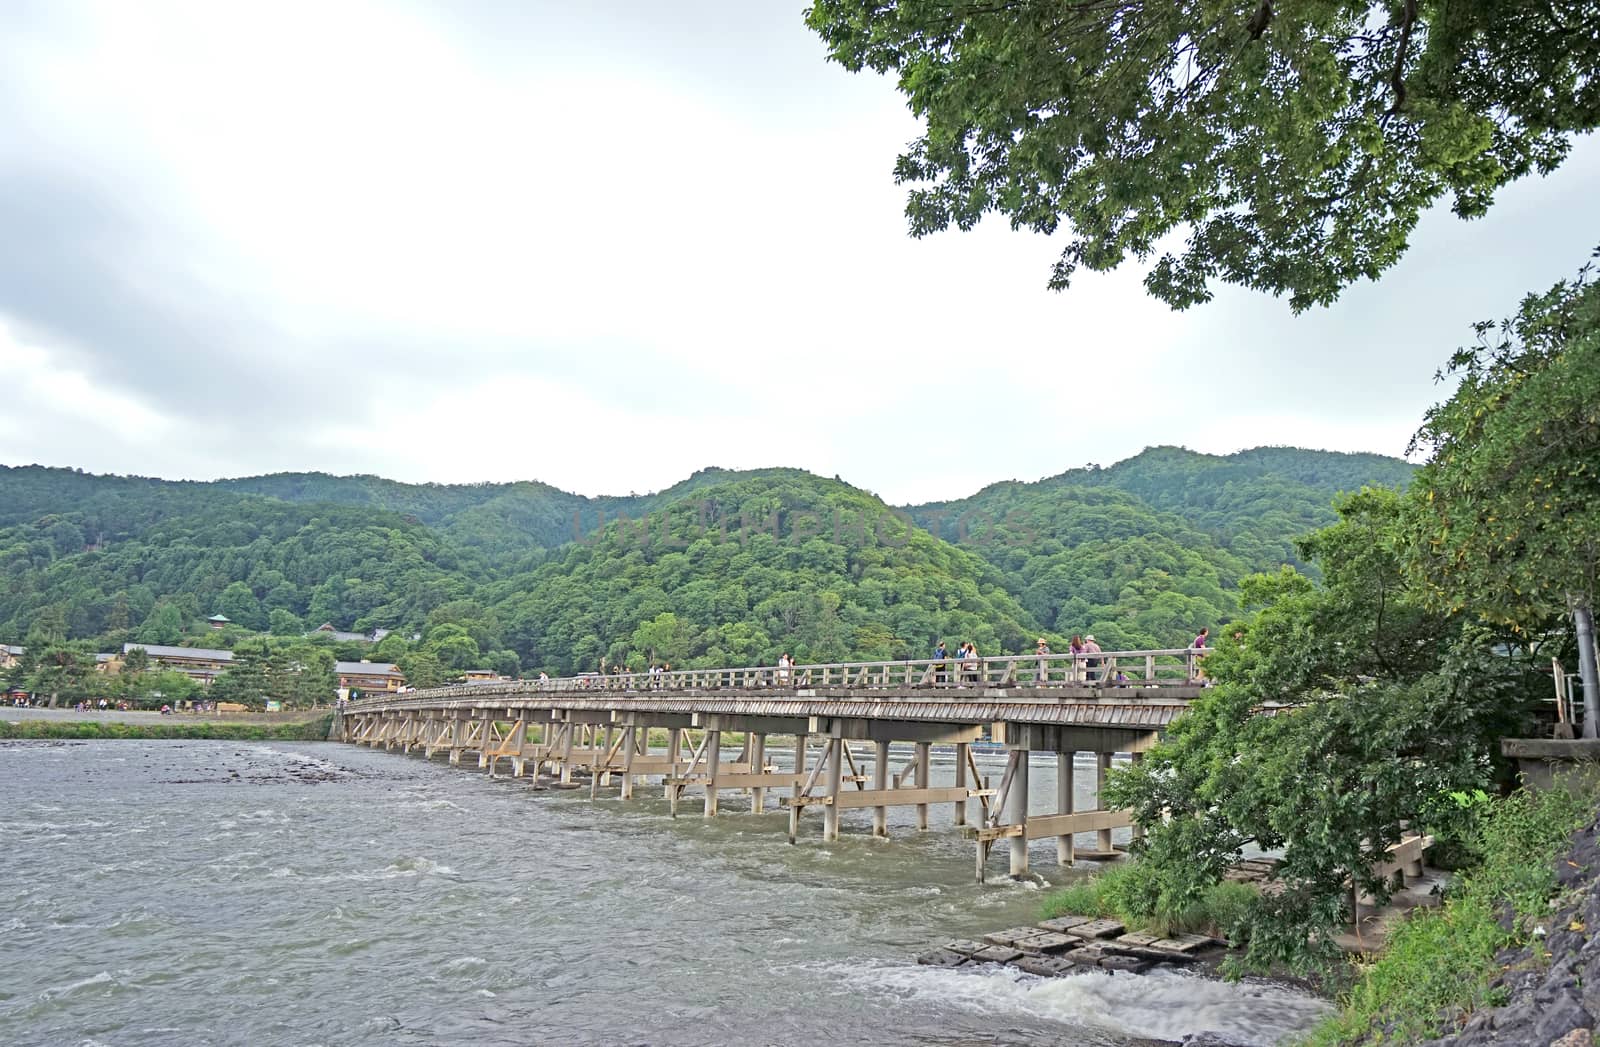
(746,564)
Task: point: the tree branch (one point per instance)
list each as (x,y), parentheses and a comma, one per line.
(1397,75)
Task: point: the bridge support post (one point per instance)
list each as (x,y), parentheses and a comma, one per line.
(458,730)
(758,765)
(830,813)
(961,780)
(1102,765)
(674,749)
(630,736)
(1017,813)
(713,760)
(1138,830)
(880,782)
(1066,802)
(923,749)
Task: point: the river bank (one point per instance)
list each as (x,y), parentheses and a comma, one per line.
(155,727)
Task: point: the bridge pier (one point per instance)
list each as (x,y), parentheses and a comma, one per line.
(713,744)
(880,782)
(1066,803)
(1017,812)
(1102,766)
(962,751)
(758,765)
(923,750)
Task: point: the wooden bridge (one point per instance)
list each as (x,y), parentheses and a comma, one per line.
(598,726)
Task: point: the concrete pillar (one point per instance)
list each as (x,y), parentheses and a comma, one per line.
(1066,800)
(880,781)
(713,759)
(961,779)
(630,737)
(758,760)
(674,746)
(1102,765)
(566,751)
(922,783)
(830,813)
(1017,814)
(1138,830)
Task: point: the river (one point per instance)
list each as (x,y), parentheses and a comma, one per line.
(304,893)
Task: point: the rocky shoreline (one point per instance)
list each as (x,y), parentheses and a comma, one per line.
(1551,987)
(1074,944)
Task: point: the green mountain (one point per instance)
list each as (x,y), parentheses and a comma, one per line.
(722,567)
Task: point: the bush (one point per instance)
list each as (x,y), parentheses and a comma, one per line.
(1438,963)
(1123,891)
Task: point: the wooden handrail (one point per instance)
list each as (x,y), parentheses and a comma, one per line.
(1152,668)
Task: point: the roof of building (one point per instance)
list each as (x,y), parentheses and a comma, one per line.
(219,618)
(156,650)
(12,649)
(367,669)
(341,636)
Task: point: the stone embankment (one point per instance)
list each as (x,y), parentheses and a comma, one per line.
(1552,987)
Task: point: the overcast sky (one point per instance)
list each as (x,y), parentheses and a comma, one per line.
(603,245)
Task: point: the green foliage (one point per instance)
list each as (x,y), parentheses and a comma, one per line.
(1145,553)
(1381,709)
(1123,892)
(1437,964)
(307,731)
(744,565)
(1506,512)
(1297,144)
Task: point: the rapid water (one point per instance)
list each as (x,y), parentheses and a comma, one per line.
(275,893)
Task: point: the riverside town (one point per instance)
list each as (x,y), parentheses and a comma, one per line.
(695,613)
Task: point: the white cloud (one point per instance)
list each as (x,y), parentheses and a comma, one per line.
(372,235)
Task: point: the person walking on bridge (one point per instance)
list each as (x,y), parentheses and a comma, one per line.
(939,655)
(1091,661)
(1043,676)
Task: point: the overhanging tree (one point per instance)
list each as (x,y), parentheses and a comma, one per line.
(1296,144)
(1505,515)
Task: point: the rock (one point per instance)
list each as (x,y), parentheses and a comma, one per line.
(1047,942)
(1131,964)
(1575,1038)
(1099,929)
(1045,966)
(997,954)
(941,958)
(1560,1019)
(1011,936)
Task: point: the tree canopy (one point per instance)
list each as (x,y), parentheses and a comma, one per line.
(1295,145)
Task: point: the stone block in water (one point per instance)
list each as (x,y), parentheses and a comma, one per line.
(997,954)
(1131,964)
(1047,942)
(941,958)
(1011,936)
(1099,929)
(1063,924)
(963,946)
(1045,966)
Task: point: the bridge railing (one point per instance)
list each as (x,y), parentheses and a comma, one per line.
(1168,667)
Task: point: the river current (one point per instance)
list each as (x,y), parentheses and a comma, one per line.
(308,894)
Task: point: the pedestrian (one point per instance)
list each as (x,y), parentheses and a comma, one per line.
(1043,651)
(1091,660)
(939,655)
(784,663)
(1197,651)
(1076,647)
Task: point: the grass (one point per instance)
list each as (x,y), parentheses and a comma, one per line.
(1438,963)
(307,731)
(1216,913)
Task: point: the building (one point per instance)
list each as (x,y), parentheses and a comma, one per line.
(217,621)
(10,655)
(481,676)
(369,678)
(197,663)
